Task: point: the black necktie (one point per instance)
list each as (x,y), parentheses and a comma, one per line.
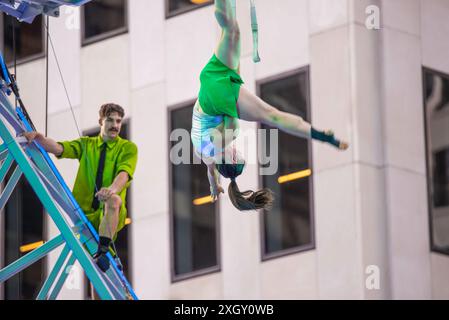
(99,179)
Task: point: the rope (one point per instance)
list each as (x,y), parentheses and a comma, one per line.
(90,167)
(13,78)
(62,79)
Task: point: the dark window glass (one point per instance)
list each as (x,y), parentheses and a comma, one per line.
(123,241)
(104,18)
(436,92)
(194,226)
(441,181)
(289,226)
(29,38)
(24,224)
(179,6)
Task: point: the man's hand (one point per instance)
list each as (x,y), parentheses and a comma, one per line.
(48,144)
(104,194)
(31,136)
(215,192)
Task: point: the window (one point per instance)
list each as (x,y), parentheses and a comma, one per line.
(436,111)
(24,225)
(193,218)
(441,178)
(289,227)
(29,39)
(123,241)
(102,19)
(175,7)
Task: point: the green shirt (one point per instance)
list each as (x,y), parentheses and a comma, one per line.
(121,155)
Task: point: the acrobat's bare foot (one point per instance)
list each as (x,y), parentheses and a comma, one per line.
(343,146)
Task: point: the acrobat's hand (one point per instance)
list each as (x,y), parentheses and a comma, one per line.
(215,192)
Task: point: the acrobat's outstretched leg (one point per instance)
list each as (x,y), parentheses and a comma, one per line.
(252,108)
(228,49)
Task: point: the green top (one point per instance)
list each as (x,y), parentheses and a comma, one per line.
(121,155)
(220,89)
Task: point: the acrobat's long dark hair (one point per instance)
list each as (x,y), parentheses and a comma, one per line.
(247,200)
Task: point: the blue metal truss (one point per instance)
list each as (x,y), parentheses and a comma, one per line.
(27,10)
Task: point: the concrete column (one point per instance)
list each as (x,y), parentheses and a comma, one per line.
(349,198)
(403,129)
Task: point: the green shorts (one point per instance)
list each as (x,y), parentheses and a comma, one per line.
(220,88)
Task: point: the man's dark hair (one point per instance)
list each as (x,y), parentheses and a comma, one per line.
(108,108)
